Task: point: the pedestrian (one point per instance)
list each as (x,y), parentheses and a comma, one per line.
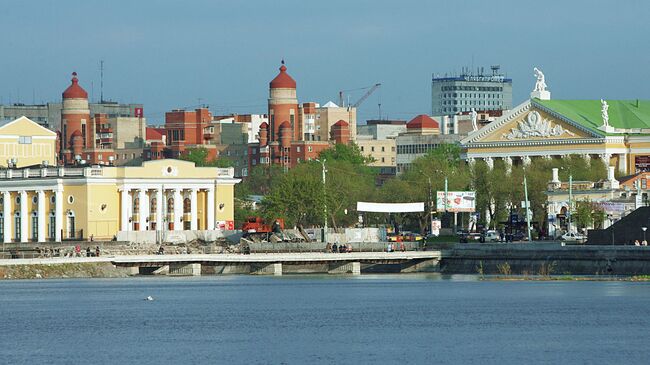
(97,251)
(636,243)
(402,247)
(77,250)
(334,248)
(644,243)
(87,251)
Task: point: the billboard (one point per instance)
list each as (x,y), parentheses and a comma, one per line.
(457,201)
(390,207)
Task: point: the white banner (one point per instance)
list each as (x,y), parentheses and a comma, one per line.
(457,201)
(390,207)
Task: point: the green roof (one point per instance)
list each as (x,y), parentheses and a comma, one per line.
(623,114)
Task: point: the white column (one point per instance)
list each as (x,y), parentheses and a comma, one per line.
(41,216)
(194,224)
(124,201)
(6,212)
(24,217)
(178,210)
(58,215)
(210,209)
(159,210)
(143,211)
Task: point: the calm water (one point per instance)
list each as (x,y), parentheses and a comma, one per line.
(323,319)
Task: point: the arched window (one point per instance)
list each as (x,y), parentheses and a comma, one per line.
(187,205)
(136,205)
(153,205)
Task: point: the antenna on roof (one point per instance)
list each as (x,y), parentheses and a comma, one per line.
(101,81)
(282,62)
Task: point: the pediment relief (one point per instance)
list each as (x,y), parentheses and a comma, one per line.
(534,125)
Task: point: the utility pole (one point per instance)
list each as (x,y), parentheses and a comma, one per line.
(430,208)
(570,201)
(527,206)
(324,202)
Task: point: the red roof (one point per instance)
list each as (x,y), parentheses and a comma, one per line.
(341,123)
(76,134)
(285,125)
(155,134)
(75,91)
(264,125)
(422,121)
(283,80)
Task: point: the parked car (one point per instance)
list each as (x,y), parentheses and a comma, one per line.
(573,237)
(412,237)
(492,236)
(472,237)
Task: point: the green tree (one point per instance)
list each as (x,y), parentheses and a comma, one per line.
(199,155)
(345,152)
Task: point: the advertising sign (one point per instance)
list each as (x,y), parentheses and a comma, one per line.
(457,201)
(436,225)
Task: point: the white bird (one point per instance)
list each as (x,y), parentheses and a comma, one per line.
(148,298)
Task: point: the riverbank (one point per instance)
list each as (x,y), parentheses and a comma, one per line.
(63,270)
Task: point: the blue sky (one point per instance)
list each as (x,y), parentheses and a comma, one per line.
(170,54)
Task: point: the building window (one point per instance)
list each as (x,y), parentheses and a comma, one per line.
(372,149)
(309,149)
(298,149)
(25,140)
(383,149)
(361,148)
(35,226)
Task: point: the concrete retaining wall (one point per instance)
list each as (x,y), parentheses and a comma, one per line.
(546,259)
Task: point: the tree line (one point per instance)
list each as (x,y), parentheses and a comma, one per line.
(299,197)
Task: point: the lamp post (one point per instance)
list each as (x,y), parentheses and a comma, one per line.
(324,200)
(526,206)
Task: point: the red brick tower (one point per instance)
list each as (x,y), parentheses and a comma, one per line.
(283,105)
(75,117)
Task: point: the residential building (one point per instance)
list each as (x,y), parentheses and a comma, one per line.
(381,129)
(382,151)
(296,133)
(49,115)
(460,93)
(422,135)
(24,143)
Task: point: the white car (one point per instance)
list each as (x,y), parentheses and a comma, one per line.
(492,236)
(573,237)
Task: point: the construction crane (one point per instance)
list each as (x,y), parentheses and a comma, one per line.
(371,89)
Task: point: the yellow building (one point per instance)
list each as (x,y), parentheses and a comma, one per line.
(135,203)
(383,151)
(26,143)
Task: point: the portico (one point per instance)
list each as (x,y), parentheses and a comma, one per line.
(167,205)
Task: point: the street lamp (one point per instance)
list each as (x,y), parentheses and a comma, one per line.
(324,200)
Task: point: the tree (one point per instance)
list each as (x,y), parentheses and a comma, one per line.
(199,155)
(345,152)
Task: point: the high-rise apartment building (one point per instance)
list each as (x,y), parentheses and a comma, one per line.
(480,91)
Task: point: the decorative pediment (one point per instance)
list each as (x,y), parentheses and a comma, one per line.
(529,123)
(535,126)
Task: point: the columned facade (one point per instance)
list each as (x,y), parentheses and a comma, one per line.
(162,207)
(26,214)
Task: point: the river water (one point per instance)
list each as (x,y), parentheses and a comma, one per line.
(420,319)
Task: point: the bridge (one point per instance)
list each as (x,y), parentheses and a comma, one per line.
(260,263)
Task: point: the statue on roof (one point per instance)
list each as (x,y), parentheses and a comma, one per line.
(604,111)
(540,84)
(474,116)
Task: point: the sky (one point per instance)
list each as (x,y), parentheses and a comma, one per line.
(179,54)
